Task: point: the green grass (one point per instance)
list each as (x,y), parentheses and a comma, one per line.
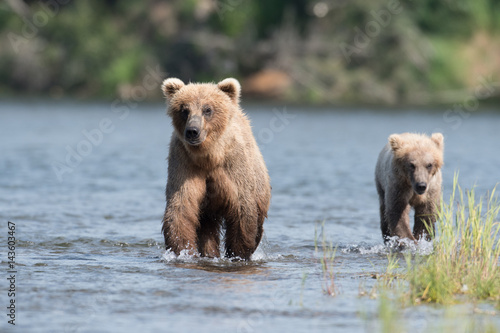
(465,260)
(327,259)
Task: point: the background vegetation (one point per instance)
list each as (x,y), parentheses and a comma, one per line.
(332,51)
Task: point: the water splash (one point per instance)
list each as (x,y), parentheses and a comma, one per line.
(259,256)
(421,247)
(184,256)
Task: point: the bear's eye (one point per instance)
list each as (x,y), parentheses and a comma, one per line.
(429,166)
(207,111)
(412,166)
(184,111)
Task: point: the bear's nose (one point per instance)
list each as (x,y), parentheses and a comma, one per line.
(421,187)
(192,133)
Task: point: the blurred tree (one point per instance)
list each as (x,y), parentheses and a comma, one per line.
(98,48)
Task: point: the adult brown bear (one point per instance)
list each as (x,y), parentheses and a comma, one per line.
(216,174)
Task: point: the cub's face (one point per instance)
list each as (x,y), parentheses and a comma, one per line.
(418,157)
(420,168)
(200,112)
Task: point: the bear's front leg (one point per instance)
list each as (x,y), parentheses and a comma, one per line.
(425,218)
(181,218)
(208,236)
(398,216)
(242,233)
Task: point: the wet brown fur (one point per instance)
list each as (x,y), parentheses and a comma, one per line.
(222,182)
(407,159)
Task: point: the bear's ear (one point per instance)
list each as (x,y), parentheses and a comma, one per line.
(396,142)
(438,139)
(231,87)
(171,86)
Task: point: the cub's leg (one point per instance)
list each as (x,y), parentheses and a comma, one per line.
(384,223)
(425,218)
(397,213)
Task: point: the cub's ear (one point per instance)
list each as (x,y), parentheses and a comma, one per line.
(231,87)
(171,86)
(438,139)
(396,142)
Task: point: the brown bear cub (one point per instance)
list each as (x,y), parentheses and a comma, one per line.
(408,174)
(216,174)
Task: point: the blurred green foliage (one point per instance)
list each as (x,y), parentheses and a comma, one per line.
(100,49)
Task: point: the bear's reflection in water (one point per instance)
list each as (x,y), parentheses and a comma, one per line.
(225,266)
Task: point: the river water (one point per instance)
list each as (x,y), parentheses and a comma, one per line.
(87,209)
